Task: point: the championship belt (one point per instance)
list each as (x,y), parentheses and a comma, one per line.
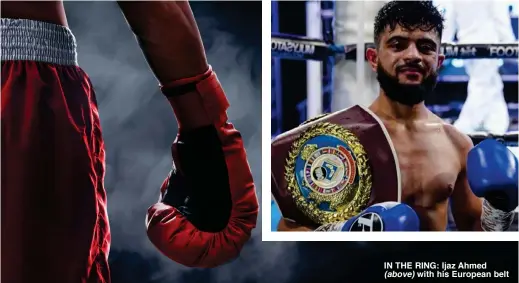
(332,167)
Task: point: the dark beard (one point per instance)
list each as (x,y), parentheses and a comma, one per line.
(406,94)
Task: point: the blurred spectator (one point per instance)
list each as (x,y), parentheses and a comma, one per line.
(347,17)
(484,22)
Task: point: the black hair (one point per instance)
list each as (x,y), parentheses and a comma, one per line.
(409,15)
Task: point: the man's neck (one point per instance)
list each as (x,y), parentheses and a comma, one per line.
(397,111)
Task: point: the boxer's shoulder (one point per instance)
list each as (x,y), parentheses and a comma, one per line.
(461,141)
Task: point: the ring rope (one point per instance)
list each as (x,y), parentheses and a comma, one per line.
(509,138)
(295,47)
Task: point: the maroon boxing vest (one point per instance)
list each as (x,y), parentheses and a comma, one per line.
(332,167)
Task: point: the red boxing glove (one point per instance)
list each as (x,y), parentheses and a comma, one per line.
(208,205)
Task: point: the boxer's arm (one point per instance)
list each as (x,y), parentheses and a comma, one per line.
(208,206)
(466,206)
(170,41)
(168,36)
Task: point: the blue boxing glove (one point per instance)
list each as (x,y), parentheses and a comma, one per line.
(492,175)
(386,216)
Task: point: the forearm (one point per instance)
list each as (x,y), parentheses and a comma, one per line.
(476,225)
(478,214)
(169,38)
(469,218)
(469,224)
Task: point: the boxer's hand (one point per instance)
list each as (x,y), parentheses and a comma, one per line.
(208,204)
(492,174)
(386,216)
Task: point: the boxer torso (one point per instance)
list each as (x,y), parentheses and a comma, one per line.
(45,11)
(429,162)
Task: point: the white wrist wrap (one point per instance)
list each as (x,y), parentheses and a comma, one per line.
(493,219)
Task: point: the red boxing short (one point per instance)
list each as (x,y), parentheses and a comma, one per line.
(54,217)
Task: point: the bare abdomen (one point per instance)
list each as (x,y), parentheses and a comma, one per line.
(50,12)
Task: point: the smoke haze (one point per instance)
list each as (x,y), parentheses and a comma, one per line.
(139,126)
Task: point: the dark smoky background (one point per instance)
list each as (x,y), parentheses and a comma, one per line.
(139,126)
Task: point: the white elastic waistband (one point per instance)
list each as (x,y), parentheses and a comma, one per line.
(37,41)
